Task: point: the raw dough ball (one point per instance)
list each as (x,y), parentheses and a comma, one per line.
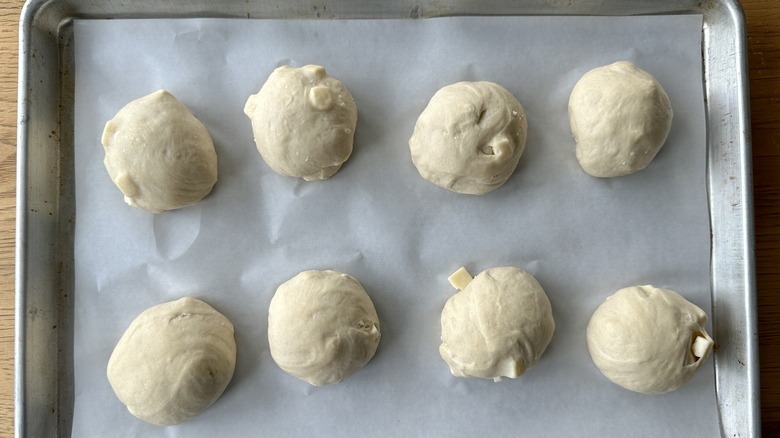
(469,138)
(173,361)
(648,339)
(322,327)
(158,154)
(303,122)
(497,326)
(620,117)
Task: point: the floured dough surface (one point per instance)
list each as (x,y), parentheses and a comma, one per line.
(620,117)
(469,138)
(159,155)
(497,326)
(303,122)
(648,339)
(173,361)
(322,327)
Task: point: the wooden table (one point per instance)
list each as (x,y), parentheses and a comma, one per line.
(763,27)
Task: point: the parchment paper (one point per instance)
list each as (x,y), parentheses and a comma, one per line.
(378,220)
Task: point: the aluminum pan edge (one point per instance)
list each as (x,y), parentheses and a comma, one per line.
(44,170)
(37,280)
(731,217)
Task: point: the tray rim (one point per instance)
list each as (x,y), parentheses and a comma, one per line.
(45,33)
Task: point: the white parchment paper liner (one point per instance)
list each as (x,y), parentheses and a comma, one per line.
(400,236)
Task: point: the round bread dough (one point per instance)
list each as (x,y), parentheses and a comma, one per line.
(648,339)
(173,361)
(303,122)
(159,155)
(322,327)
(469,138)
(620,117)
(497,326)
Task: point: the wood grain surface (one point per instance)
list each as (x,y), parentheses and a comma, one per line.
(9,24)
(763,27)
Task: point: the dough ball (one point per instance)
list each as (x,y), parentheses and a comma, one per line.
(497,326)
(322,327)
(159,155)
(620,117)
(173,361)
(303,121)
(648,339)
(469,138)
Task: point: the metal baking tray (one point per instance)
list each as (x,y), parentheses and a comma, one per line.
(45,178)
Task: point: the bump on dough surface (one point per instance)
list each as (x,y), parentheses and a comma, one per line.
(322,327)
(641,338)
(498,326)
(469,138)
(159,155)
(303,122)
(620,117)
(173,361)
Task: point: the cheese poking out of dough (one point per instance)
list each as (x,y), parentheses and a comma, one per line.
(460,279)
(702,347)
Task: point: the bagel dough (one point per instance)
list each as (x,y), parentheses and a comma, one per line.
(648,339)
(620,117)
(322,327)
(497,326)
(469,138)
(173,361)
(303,122)
(159,155)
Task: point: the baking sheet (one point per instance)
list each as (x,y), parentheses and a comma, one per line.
(583,238)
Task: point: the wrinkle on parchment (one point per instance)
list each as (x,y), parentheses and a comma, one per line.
(175,233)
